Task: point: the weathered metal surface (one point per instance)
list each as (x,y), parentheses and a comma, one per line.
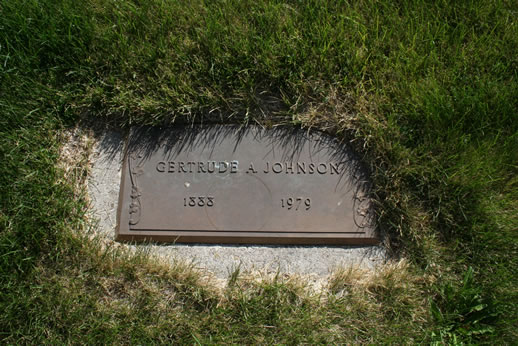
(224,184)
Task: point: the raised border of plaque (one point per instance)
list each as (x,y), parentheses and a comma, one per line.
(231,184)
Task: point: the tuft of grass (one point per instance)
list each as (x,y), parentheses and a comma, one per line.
(427,92)
(463,311)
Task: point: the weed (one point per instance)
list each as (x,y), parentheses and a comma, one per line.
(463,312)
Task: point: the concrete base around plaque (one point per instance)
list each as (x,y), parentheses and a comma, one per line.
(216,260)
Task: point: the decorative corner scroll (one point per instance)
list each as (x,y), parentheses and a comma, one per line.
(362,214)
(135,208)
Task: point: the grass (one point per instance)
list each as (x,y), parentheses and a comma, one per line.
(426,91)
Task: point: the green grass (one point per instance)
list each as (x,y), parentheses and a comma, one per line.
(426,91)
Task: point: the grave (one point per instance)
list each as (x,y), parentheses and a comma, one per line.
(228,184)
(109,168)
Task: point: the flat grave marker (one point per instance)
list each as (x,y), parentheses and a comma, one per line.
(226,184)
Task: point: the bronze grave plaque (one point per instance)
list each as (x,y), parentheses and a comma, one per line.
(225,184)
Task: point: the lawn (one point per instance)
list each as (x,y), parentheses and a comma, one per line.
(425,91)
